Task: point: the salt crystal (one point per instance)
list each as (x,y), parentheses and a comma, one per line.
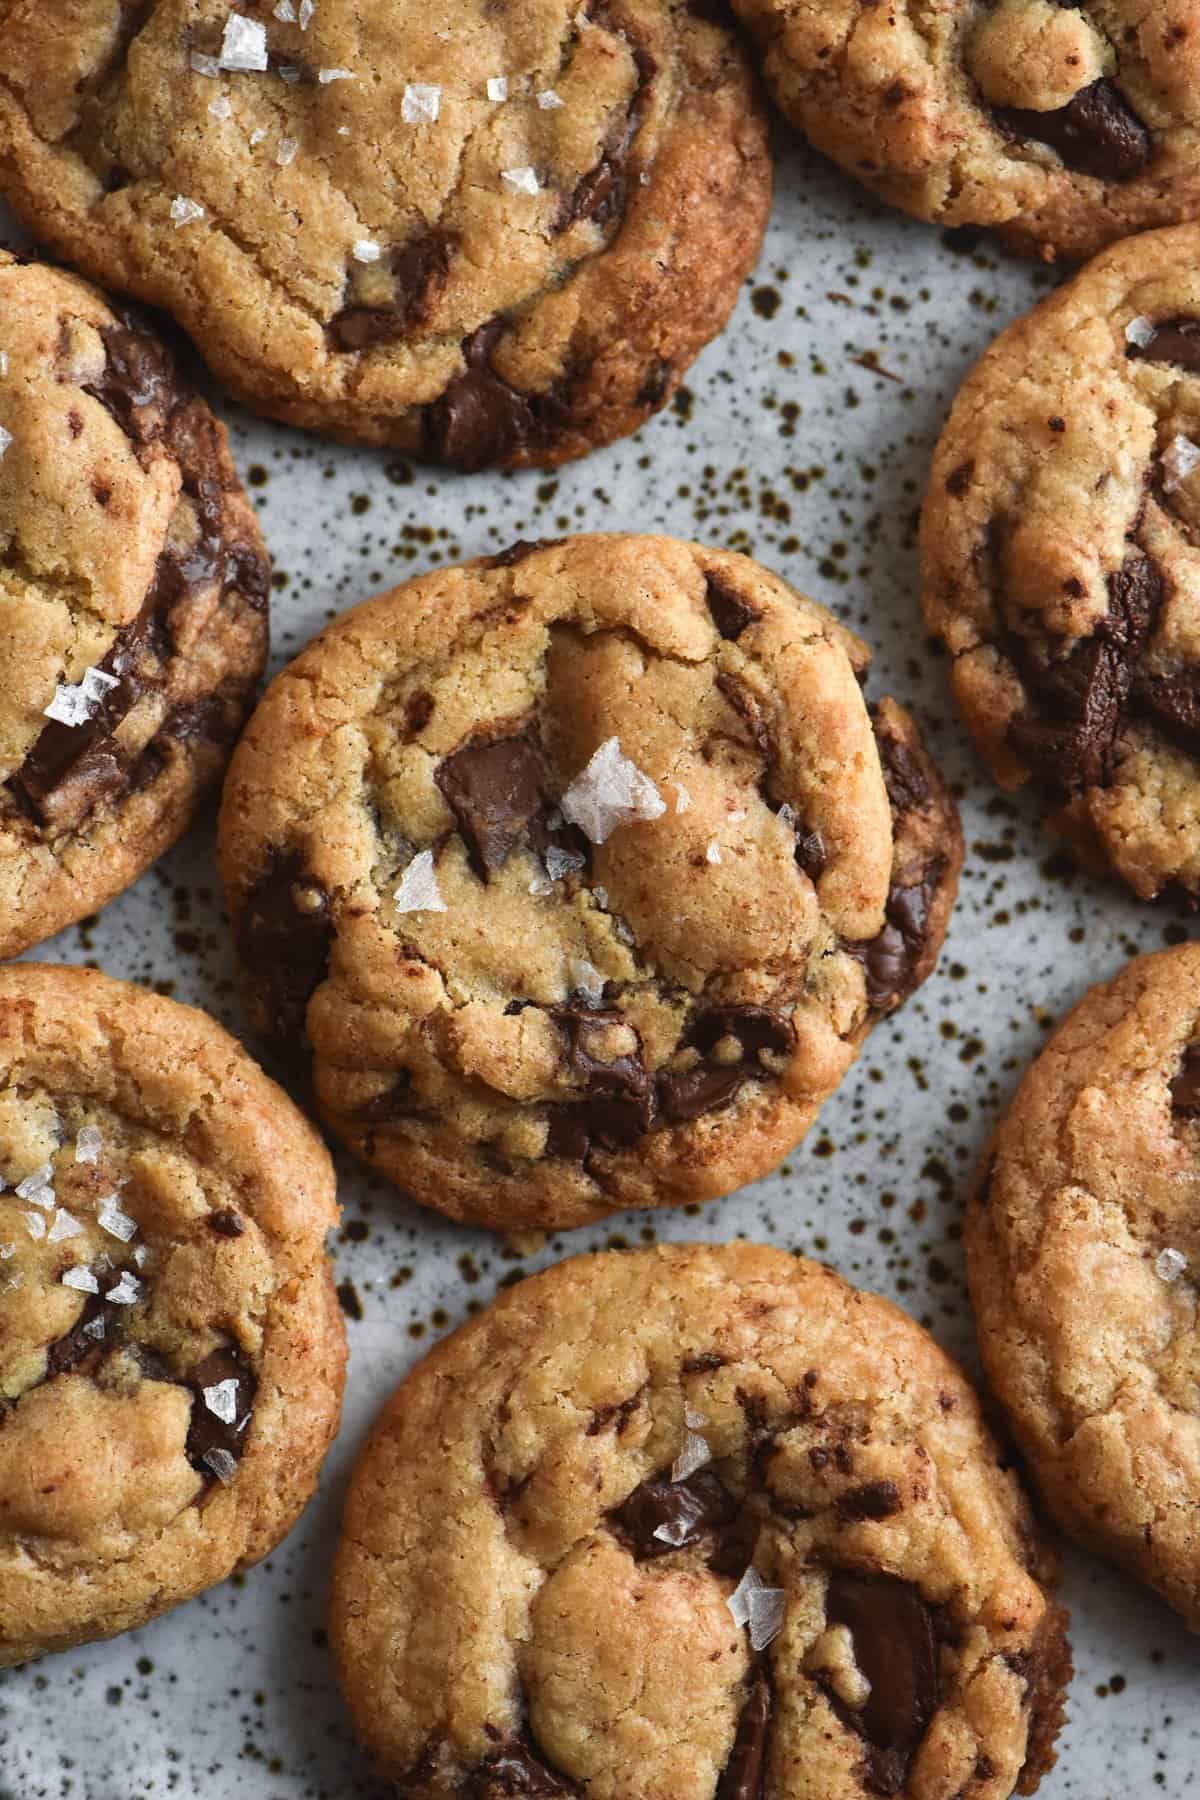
(221,107)
(325,76)
(304,13)
(6,439)
(1170,1264)
(418,890)
(65,1226)
(184,211)
(205,65)
(548,100)
(600,895)
(222,1400)
(521,181)
(695,1421)
(286,152)
(739,1601)
(540,886)
(36,1184)
(694,1455)
(244,45)
(285,12)
(586,979)
(141,1255)
(787,814)
(3,363)
(1179,459)
(222,1464)
(611,791)
(82,1279)
(562,862)
(7,1250)
(675,1532)
(88,1144)
(1139,331)
(364,251)
(118,1224)
(36,1224)
(420,104)
(682,798)
(713,853)
(343,131)
(737,815)
(497,88)
(127,1292)
(767,1607)
(257,136)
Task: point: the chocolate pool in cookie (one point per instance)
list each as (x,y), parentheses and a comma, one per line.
(580,873)
(171,1349)
(133,594)
(695,1521)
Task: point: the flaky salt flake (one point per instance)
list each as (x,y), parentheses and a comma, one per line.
(304,13)
(695,1421)
(366,251)
(767,1607)
(421,103)
(222,1399)
(549,101)
(737,815)
(257,136)
(1179,459)
(118,1224)
(418,890)
(497,88)
(713,853)
(325,76)
(7,1250)
(682,798)
(37,1225)
(35,1183)
(586,979)
(540,886)
(88,1144)
(127,1292)
(562,862)
(521,181)
(141,1255)
(221,107)
(694,1455)
(787,816)
(286,152)
(285,12)
(1169,1265)
(244,45)
(675,1532)
(82,1279)
(222,1464)
(65,1225)
(205,65)
(3,364)
(1139,331)
(6,438)
(611,791)
(185,211)
(343,131)
(739,1601)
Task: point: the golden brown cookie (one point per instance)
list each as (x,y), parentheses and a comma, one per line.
(171,1347)
(490,235)
(133,601)
(1065,126)
(1083,1253)
(699,1521)
(580,873)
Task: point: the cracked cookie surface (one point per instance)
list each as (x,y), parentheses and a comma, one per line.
(133,601)
(1061,559)
(1067,127)
(171,1347)
(580,873)
(1083,1254)
(542,1583)
(485,234)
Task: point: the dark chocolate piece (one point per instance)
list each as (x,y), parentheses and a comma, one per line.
(601,195)
(226,1223)
(480,419)
(743,1775)
(873,1500)
(1174,341)
(689,1510)
(894,1647)
(89,1333)
(515,1769)
(892,960)
(691,1092)
(731,611)
(621,1103)
(419,269)
(284,934)
(494,788)
(1185,1088)
(755,1027)
(208,1433)
(1097,133)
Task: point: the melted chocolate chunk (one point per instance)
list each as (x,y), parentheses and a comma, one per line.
(892,961)
(873,1500)
(621,1103)
(811,855)
(688,1093)
(226,1223)
(904,774)
(688,1510)
(395,1102)
(494,789)
(207,1432)
(731,612)
(89,1333)
(1082,697)
(1185,1088)
(1097,133)
(480,419)
(894,1647)
(691,1092)
(419,269)
(601,195)
(139,386)
(742,1777)
(284,934)
(1174,341)
(1173,703)
(515,1769)
(755,1027)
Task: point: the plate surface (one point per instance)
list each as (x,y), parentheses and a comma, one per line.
(803,437)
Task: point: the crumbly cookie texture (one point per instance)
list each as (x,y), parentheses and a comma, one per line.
(699,1520)
(133,601)
(1083,1253)
(486,234)
(580,873)
(171,1347)
(1067,127)
(1060,564)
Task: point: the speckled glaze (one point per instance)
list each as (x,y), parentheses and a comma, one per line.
(803,438)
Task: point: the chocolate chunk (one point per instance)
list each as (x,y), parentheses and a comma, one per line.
(755,1027)
(1081,698)
(284,933)
(621,1102)
(1174,341)
(688,1093)
(600,197)
(515,1769)
(1097,133)
(567,1133)
(1185,1088)
(226,1223)
(811,855)
(731,612)
(873,1500)
(904,773)
(480,419)
(894,1647)
(395,1102)
(494,788)
(742,1777)
(88,1333)
(207,1432)
(419,269)
(1173,703)
(139,385)
(689,1510)
(691,1092)
(892,960)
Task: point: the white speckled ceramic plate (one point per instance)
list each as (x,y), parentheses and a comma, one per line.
(803,438)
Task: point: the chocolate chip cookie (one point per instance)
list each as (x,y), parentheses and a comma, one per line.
(494,237)
(1083,1252)
(580,873)
(1065,126)
(133,601)
(1061,559)
(171,1348)
(700,1520)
